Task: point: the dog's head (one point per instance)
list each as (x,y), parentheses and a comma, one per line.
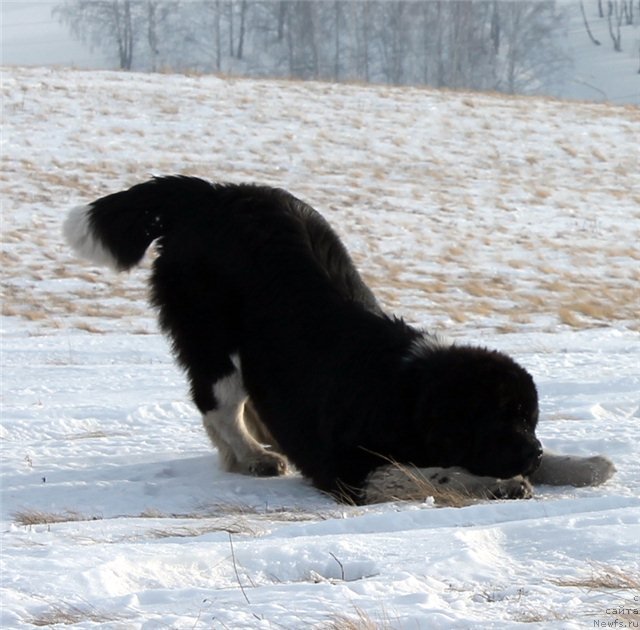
(477,409)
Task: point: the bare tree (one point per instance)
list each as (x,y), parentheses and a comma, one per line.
(108,24)
(614,20)
(477,44)
(530,58)
(243,20)
(337,25)
(301,39)
(586,25)
(158,12)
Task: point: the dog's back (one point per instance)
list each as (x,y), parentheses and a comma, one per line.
(238,266)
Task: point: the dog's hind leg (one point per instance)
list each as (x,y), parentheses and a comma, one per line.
(398,482)
(224,424)
(258,429)
(572,470)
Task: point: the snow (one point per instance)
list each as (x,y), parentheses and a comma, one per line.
(599,72)
(32,35)
(509,222)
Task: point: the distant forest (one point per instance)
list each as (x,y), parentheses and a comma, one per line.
(513,47)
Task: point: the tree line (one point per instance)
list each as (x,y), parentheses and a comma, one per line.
(511,47)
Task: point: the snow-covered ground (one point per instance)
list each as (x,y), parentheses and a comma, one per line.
(512,222)
(598,72)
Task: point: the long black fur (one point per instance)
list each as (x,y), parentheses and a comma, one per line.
(344,388)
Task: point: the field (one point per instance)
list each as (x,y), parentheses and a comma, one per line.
(508,222)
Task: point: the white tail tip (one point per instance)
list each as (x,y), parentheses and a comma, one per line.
(81,237)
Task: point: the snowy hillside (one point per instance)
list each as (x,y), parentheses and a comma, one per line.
(509,222)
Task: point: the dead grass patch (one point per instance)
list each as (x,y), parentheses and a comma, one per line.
(236,519)
(453,252)
(595,310)
(535,302)
(38,517)
(33,315)
(8,258)
(87,327)
(569,150)
(458,316)
(570,318)
(359,620)
(284,514)
(237,527)
(602,578)
(476,288)
(541,194)
(572,313)
(507,329)
(222,510)
(71,614)
(90,435)
(609,580)
(422,489)
(535,615)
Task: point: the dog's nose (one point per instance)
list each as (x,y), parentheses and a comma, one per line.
(536,457)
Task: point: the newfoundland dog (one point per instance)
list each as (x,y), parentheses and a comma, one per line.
(291,358)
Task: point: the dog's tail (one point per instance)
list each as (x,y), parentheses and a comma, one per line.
(117,230)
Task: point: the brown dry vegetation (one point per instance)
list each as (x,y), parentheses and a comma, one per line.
(621,588)
(236,519)
(359,620)
(601,578)
(30,518)
(457,236)
(71,614)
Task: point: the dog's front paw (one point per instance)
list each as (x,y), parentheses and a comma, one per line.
(513,488)
(591,471)
(573,470)
(267,465)
(602,469)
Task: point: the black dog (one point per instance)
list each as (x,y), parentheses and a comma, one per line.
(262,301)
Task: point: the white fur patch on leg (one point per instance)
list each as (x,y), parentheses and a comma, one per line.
(572,470)
(81,237)
(396,482)
(239,451)
(228,460)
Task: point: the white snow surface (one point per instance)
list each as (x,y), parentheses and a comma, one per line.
(509,222)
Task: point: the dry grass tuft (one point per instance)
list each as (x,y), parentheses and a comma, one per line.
(87,327)
(238,519)
(70,614)
(602,578)
(570,318)
(37,517)
(442,497)
(284,514)
(359,620)
(536,615)
(609,580)
(416,487)
(236,527)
